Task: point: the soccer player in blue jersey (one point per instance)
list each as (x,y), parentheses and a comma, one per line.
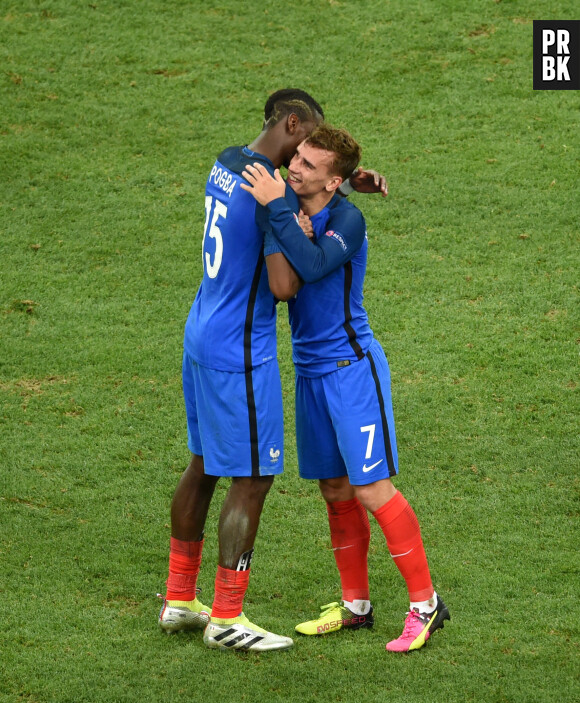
(232,387)
(344,418)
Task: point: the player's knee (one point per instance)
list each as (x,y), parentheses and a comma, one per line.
(252,488)
(336,489)
(375,495)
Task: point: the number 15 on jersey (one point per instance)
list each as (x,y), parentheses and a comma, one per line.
(214,209)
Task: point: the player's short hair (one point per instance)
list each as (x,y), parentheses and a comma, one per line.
(347,151)
(291,100)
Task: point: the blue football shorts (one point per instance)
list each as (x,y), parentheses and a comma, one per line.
(345,423)
(235,420)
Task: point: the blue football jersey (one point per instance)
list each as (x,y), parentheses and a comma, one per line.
(232,322)
(329,324)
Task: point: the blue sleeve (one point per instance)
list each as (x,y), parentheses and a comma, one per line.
(315,259)
(263,222)
(271,246)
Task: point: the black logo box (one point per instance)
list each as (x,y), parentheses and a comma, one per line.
(556,54)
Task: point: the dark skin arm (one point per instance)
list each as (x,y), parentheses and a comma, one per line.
(367,181)
(283,279)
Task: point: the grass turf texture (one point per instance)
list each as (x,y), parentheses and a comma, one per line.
(112,114)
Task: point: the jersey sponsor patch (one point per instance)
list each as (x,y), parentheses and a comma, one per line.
(338,237)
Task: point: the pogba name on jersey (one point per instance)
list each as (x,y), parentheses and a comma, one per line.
(222,179)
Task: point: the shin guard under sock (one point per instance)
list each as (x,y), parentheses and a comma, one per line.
(230,589)
(184,564)
(403,534)
(350,535)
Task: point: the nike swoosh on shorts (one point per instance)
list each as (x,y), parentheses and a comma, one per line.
(371,467)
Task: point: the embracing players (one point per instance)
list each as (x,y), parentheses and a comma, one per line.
(232,386)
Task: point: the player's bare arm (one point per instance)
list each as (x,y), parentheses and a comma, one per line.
(283,279)
(368,181)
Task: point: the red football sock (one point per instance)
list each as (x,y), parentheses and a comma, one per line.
(350,535)
(184,563)
(230,589)
(403,534)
